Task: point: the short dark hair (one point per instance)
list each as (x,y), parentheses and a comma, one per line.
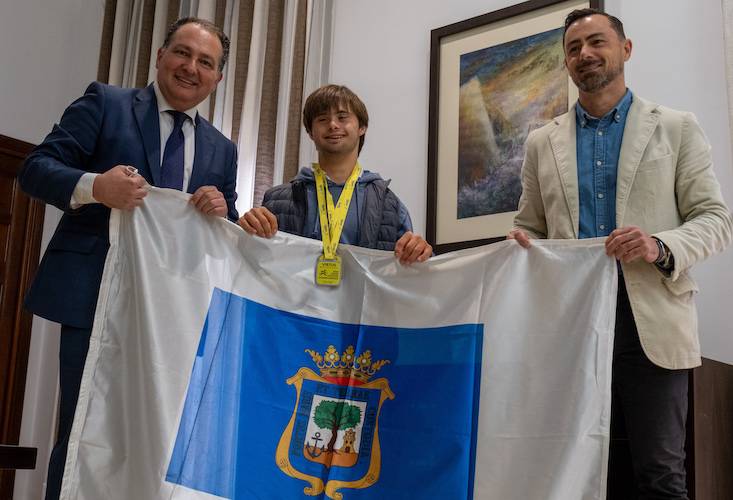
(616,23)
(332,96)
(208,26)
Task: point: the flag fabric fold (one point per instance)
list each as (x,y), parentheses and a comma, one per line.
(218,369)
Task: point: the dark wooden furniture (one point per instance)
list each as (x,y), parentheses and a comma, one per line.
(710,432)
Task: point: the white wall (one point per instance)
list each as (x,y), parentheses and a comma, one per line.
(381,50)
(49,52)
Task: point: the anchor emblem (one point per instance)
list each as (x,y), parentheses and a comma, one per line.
(311,450)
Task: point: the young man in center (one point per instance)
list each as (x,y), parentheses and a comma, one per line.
(336,120)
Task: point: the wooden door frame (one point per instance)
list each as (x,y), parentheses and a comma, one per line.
(25,222)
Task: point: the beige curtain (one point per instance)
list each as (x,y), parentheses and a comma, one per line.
(728,40)
(258,102)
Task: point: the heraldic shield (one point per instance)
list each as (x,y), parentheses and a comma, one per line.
(332,438)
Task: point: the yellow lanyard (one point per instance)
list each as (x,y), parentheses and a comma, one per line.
(332,217)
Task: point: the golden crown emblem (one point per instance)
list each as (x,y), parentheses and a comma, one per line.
(346,365)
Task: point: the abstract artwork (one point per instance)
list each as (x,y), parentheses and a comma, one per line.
(506,91)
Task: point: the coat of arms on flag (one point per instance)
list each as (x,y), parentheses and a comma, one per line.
(335,422)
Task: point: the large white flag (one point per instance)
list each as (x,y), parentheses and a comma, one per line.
(218,369)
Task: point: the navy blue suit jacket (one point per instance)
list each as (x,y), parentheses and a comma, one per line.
(107,126)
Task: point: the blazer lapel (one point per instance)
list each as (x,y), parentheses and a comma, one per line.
(640,124)
(145,108)
(202,157)
(562,142)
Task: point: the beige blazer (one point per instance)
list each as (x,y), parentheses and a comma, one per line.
(666,186)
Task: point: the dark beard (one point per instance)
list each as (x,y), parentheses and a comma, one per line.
(599,80)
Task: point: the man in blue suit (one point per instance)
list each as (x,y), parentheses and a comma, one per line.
(108,146)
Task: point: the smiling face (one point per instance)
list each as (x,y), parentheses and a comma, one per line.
(336,131)
(595,54)
(188,67)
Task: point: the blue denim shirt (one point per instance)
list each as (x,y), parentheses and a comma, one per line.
(598,149)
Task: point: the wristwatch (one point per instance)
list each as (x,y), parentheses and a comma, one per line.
(665,260)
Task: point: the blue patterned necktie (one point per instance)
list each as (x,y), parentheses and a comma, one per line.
(171,175)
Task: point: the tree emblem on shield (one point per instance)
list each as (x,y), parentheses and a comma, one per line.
(332,438)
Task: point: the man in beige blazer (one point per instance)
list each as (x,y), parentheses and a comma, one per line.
(640,175)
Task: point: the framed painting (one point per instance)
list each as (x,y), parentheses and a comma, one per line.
(493,79)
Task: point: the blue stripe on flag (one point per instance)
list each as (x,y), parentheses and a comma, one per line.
(238,405)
